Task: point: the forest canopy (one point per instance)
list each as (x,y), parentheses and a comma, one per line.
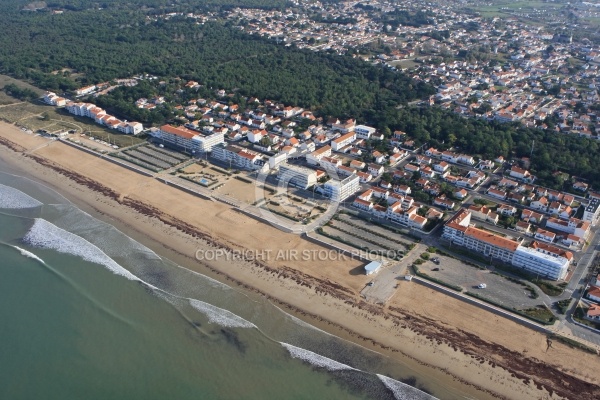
(93,42)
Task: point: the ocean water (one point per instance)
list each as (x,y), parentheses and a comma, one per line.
(88,312)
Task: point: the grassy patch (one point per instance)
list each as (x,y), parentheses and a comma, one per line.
(536,314)
(563,305)
(572,343)
(548,288)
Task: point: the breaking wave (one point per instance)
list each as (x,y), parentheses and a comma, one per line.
(316,359)
(220,316)
(28,254)
(46,235)
(14,198)
(403,391)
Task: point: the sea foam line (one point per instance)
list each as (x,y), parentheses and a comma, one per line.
(15,199)
(403,391)
(46,235)
(316,359)
(220,316)
(28,254)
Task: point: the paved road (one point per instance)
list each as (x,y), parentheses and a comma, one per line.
(385,280)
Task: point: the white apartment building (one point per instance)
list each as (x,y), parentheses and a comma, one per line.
(364,132)
(315,157)
(238,157)
(188,139)
(340,190)
(546,260)
(297,176)
(544,264)
(592,211)
(343,141)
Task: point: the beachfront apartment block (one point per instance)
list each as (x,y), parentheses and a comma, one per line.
(295,175)
(239,157)
(188,139)
(340,190)
(542,259)
(102,118)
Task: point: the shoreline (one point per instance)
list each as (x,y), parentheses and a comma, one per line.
(301,290)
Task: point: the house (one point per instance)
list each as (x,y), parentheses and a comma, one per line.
(507,210)
(580,186)
(402,189)
(486,164)
(379,192)
(465,159)
(431,152)
(427,172)
(397,157)
(593,312)
(545,235)
(378,157)
(375,169)
(444,203)
(572,240)
(344,126)
(460,194)
(356,164)
(531,216)
(498,194)
(523,227)
(593,293)
(516,198)
(507,183)
(412,168)
(423,160)
(519,173)
(362,204)
(540,204)
(364,177)
(442,166)
(433,214)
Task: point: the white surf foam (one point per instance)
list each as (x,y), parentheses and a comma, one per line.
(14,198)
(220,316)
(402,391)
(316,359)
(46,235)
(28,254)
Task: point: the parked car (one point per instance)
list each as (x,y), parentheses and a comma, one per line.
(482,286)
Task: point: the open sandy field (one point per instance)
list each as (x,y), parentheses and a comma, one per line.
(470,352)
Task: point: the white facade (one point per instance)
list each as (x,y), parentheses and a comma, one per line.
(592,211)
(363,131)
(343,141)
(297,176)
(340,190)
(546,265)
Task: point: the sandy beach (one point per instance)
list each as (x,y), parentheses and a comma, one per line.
(462,347)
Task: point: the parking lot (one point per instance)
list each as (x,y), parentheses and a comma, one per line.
(498,288)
